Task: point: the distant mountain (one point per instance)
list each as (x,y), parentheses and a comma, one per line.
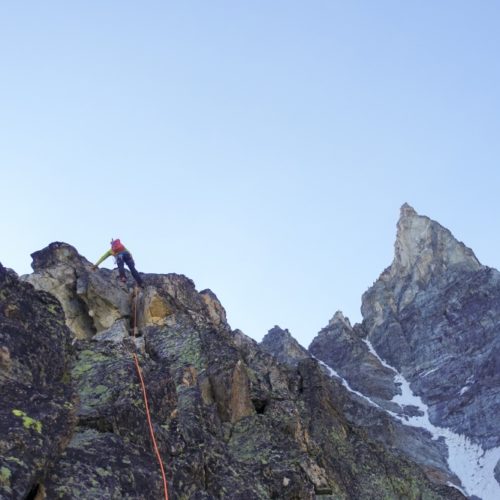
(431,319)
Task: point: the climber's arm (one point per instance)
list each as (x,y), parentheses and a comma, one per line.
(104,257)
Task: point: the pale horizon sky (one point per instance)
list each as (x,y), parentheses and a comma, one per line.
(263,149)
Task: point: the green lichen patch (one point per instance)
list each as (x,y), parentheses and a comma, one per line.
(5,475)
(179,346)
(28,422)
(100,378)
(191,352)
(94,395)
(100,389)
(86,361)
(253,441)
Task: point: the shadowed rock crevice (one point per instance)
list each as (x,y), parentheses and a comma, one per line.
(260,405)
(35,493)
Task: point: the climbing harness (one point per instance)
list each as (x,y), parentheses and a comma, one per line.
(146,404)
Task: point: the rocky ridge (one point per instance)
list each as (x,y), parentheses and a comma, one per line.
(434,314)
(283,347)
(231,420)
(432,317)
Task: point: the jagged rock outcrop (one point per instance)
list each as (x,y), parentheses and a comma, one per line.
(341,346)
(90,304)
(283,346)
(230,421)
(434,314)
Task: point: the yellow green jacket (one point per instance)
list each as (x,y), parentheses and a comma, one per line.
(108,254)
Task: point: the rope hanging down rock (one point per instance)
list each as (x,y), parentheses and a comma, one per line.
(146,404)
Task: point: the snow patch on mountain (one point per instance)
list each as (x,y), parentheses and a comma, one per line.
(473,465)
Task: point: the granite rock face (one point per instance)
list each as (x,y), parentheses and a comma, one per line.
(230,421)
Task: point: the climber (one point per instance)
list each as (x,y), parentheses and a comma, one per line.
(122,256)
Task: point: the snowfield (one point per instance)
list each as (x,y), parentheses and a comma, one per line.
(469,461)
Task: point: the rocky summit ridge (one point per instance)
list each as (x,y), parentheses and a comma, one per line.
(234,418)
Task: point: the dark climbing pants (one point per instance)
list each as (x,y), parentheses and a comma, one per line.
(126,258)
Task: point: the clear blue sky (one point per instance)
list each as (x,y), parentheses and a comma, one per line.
(262,148)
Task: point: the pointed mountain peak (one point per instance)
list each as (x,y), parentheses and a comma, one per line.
(423,248)
(407,211)
(339,317)
(281,344)
(277,332)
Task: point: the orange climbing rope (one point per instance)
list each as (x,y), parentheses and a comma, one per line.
(146,404)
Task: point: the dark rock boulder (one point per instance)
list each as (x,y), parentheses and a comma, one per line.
(37,401)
